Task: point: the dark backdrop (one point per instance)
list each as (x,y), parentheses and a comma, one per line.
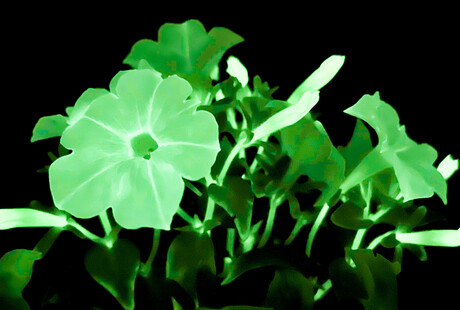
(410,56)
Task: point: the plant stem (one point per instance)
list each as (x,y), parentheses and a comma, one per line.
(275,201)
(366,193)
(236,149)
(145,269)
(210,205)
(260,149)
(322,291)
(186,217)
(89,235)
(358,238)
(105,223)
(47,240)
(314,229)
(379,239)
(231,241)
(301,222)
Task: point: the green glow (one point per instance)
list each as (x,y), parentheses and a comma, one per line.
(26,217)
(446,237)
(319,78)
(314,229)
(412,162)
(448,166)
(143,145)
(117,163)
(235,68)
(286,117)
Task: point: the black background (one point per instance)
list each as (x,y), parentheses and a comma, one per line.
(51,55)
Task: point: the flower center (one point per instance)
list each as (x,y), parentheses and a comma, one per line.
(143,144)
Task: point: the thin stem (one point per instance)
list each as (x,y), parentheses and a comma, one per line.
(236,149)
(379,239)
(322,291)
(210,206)
(301,222)
(231,241)
(105,223)
(260,149)
(47,240)
(314,229)
(184,215)
(145,269)
(89,235)
(274,203)
(358,238)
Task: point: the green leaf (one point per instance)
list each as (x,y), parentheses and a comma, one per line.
(319,78)
(237,198)
(313,154)
(442,237)
(412,162)
(289,289)
(49,127)
(379,277)
(115,269)
(16,269)
(286,117)
(54,125)
(27,217)
(187,50)
(188,253)
(358,147)
(372,281)
(349,216)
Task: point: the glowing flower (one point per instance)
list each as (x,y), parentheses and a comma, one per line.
(131,149)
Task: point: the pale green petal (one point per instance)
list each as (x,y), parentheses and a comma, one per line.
(190,143)
(136,89)
(82,185)
(97,139)
(149,194)
(83,103)
(169,101)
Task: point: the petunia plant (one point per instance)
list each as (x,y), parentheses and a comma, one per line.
(205,163)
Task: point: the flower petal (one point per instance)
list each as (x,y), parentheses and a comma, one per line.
(149,195)
(190,144)
(169,101)
(136,88)
(81,185)
(97,139)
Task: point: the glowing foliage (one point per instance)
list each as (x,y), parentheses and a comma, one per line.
(412,162)
(186,50)
(26,217)
(171,123)
(131,149)
(15,272)
(188,254)
(290,290)
(115,269)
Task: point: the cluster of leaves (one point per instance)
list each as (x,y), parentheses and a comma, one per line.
(272,154)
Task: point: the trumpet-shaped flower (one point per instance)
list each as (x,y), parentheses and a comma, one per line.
(130,150)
